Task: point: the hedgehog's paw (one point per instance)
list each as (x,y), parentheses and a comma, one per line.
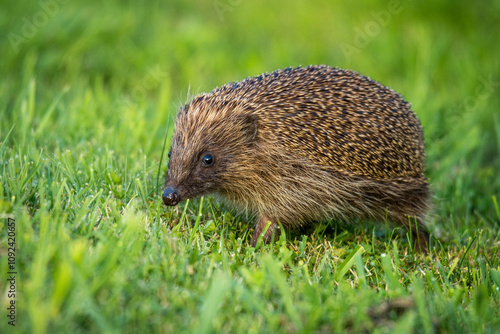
(267,234)
(421,242)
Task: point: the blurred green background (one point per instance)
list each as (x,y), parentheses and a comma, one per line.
(90,89)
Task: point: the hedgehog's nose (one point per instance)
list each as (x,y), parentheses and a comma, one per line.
(170,197)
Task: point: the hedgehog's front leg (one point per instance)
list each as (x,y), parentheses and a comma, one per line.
(259,228)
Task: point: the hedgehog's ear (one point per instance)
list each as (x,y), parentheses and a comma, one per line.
(249,127)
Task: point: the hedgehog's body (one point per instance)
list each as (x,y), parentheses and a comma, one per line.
(301,145)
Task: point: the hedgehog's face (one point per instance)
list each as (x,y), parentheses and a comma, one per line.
(204,153)
(192,174)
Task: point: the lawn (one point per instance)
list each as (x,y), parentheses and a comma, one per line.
(88,94)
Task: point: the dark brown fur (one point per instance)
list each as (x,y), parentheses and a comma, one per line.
(301,145)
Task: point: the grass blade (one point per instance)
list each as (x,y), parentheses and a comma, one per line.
(348,262)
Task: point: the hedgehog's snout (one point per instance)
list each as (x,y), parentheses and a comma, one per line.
(171,197)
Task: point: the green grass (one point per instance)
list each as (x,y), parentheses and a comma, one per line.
(88,96)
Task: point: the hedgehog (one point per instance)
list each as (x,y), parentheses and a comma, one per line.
(301,145)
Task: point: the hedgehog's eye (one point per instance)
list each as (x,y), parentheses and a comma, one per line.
(169,154)
(208,160)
